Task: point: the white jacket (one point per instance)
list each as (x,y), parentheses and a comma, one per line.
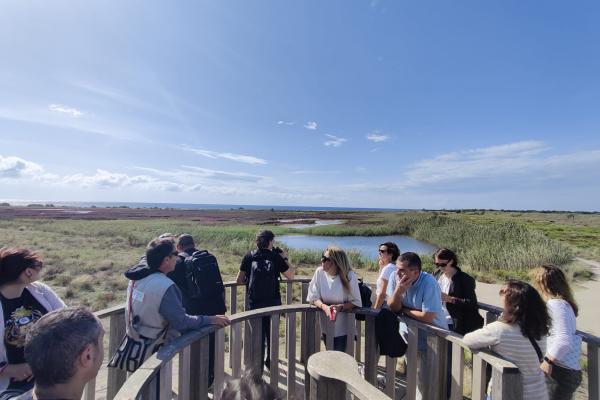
(47,298)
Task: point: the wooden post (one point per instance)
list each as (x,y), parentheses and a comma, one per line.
(478,382)
(411,363)
(350,326)
(235,351)
(312,345)
(390,376)
(288,300)
(593,371)
(199,369)
(371,351)
(184,374)
(253,344)
(116,376)
(458,367)
(329,334)
(436,368)
(357,354)
(274,370)
(166,381)
(232,311)
(329,389)
(303,357)
(219,369)
(506,384)
(291,351)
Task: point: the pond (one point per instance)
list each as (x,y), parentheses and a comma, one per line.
(366,245)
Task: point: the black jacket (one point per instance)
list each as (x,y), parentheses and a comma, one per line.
(464,312)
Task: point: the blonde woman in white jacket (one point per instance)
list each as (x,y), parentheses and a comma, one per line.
(23,301)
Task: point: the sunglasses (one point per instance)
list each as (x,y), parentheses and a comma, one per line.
(325,258)
(441,264)
(382,251)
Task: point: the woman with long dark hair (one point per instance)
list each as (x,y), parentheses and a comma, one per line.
(388,254)
(519,335)
(459,301)
(334,288)
(561,362)
(23,301)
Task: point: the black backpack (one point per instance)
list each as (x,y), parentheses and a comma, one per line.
(263,283)
(365,298)
(204,283)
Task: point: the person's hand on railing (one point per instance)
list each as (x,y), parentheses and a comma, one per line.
(220,320)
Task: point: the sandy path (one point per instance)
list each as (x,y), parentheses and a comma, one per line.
(587,295)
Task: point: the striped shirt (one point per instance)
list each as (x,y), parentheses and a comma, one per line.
(564,345)
(508,341)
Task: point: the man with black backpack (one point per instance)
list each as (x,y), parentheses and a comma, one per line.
(260,271)
(198,277)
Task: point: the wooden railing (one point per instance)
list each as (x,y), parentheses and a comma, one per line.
(239,346)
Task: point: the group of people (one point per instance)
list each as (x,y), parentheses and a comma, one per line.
(50,351)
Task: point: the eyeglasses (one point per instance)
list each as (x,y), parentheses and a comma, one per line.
(382,251)
(325,259)
(441,264)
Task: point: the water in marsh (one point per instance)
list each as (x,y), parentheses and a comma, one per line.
(294,223)
(366,245)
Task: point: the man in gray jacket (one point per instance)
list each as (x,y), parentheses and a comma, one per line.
(155,299)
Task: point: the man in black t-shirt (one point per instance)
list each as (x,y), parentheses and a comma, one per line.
(260,271)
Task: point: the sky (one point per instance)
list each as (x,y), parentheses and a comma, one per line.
(365,103)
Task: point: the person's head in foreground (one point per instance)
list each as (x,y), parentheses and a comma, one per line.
(19,266)
(64,350)
(251,386)
(524,306)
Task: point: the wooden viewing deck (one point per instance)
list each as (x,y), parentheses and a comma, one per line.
(296,338)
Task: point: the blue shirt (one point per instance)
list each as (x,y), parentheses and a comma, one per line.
(424,295)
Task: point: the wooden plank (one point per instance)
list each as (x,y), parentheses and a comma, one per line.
(506,384)
(436,366)
(593,371)
(166,381)
(458,368)
(357,354)
(312,345)
(350,326)
(274,370)
(199,368)
(478,382)
(89,392)
(116,376)
(219,369)
(390,376)
(232,311)
(184,373)
(235,351)
(303,357)
(253,344)
(371,351)
(289,293)
(411,363)
(329,334)
(291,351)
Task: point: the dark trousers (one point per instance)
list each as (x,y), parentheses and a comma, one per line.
(562,383)
(266,343)
(339,342)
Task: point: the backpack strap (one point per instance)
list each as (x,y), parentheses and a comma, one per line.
(537,348)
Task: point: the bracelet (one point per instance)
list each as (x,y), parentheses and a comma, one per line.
(549,361)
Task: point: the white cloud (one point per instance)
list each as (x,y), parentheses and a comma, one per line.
(229,156)
(312,125)
(16,167)
(288,123)
(65,110)
(374,137)
(334,141)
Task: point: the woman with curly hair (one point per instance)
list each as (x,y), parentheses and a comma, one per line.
(561,363)
(519,335)
(23,301)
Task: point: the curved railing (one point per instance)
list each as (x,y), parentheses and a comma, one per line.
(240,345)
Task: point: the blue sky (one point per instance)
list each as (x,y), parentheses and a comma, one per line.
(402,104)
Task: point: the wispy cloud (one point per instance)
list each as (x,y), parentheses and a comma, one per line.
(334,141)
(229,156)
(314,172)
(65,110)
(312,125)
(288,123)
(374,137)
